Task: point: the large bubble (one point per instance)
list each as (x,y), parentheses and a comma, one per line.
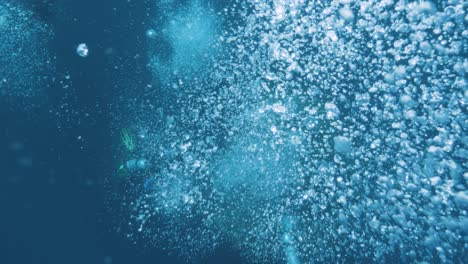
(313,132)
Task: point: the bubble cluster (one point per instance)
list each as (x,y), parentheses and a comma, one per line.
(24,59)
(322,132)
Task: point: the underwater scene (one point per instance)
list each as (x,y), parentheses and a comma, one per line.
(233,131)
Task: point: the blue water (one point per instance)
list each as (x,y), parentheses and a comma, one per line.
(204,131)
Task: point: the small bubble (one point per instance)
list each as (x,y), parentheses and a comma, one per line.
(151,33)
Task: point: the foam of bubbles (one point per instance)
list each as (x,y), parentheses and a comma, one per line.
(190,33)
(326,132)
